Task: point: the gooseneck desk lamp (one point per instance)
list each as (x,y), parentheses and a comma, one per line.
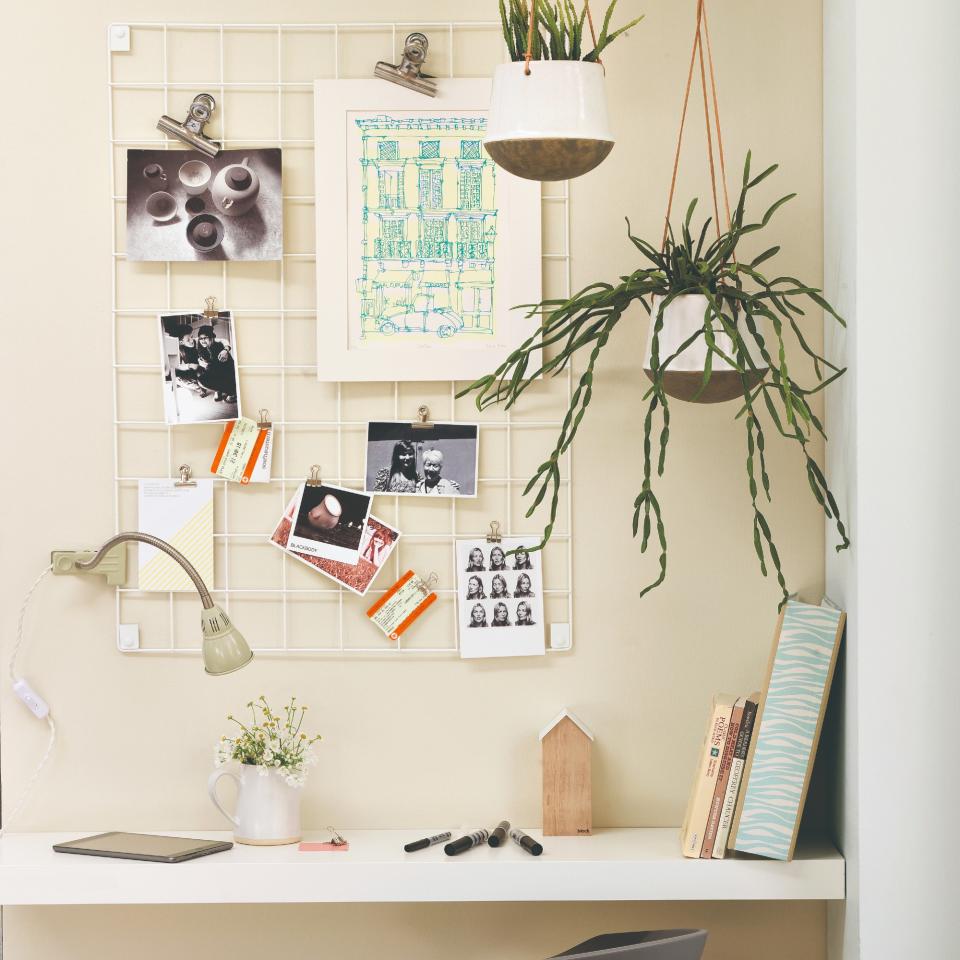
(224,649)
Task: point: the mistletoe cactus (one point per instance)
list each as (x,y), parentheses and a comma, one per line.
(749,319)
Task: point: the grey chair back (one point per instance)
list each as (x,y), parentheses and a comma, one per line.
(642,945)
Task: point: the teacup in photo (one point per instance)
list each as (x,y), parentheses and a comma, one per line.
(153,172)
(326,514)
(161,206)
(195,176)
(205,232)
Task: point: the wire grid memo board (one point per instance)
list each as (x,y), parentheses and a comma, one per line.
(262,78)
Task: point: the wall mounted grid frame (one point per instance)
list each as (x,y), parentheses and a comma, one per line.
(385,40)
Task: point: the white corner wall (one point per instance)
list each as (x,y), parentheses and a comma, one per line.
(891,135)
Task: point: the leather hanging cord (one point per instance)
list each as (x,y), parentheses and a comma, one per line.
(593,32)
(716,116)
(528,56)
(706,118)
(683,117)
(702,32)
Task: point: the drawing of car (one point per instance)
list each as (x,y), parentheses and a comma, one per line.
(440,320)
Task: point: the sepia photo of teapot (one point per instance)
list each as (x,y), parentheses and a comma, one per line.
(235,189)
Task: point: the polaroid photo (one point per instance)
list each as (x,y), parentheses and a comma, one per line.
(499,599)
(198,356)
(429,460)
(329,522)
(376,546)
(184,205)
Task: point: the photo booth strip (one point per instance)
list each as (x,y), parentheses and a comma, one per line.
(182,514)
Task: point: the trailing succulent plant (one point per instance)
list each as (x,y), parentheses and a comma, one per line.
(759,313)
(558,30)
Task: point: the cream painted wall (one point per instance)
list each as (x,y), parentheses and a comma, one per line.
(426,742)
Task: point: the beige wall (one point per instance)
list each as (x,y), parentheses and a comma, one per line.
(432,741)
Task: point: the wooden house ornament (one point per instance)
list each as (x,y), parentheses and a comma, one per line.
(566,743)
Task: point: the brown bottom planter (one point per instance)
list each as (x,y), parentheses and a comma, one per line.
(549,158)
(724,385)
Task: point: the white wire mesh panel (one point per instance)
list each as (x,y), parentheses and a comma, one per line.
(262,77)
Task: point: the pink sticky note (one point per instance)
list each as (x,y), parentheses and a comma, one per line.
(313,847)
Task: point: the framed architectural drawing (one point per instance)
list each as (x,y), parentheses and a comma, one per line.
(423,244)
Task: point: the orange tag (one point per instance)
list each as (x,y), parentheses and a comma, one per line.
(244,452)
(403,603)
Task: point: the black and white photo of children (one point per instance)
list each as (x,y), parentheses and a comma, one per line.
(422,460)
(499,599)
(200,368)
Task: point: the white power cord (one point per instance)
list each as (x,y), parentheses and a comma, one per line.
(33,702)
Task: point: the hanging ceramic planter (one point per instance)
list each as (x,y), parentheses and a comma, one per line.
(724,327)
(550,124)
(548,108)
(683,377)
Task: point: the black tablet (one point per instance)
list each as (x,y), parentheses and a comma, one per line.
(143,846)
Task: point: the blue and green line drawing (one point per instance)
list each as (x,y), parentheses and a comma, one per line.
(429,227)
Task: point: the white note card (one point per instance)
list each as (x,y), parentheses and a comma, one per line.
(183,516)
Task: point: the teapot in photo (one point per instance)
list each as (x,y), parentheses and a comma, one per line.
(236,188)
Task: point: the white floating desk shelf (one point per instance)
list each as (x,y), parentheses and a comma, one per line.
(613,864)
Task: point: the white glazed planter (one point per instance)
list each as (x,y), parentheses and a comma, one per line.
(683,378)
(268,808)
(551,124)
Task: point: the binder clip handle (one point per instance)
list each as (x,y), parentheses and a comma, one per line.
(186,475)
(407,72)
(210,308)
(494,535)
(423,418)
(263,419)
(315,479)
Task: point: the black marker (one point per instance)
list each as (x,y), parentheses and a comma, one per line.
(500,834)
(465,843)
(527,842)
(426,842)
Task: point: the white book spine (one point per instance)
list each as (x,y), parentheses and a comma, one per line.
(729,804)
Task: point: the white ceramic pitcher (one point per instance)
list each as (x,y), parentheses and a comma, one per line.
(268,808)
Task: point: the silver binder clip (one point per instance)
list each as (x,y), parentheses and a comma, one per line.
(407,72)
(336,839)
(263,420)
(315,479)
(494,535)
(423,419)
(185,477)
(191,130)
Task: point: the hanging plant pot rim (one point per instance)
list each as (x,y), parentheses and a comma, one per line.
(559,99)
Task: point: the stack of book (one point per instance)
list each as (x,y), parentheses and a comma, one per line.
(716,792)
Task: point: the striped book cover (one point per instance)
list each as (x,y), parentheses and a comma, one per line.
(787,730)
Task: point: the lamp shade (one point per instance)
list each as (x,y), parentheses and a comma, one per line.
(224,649)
